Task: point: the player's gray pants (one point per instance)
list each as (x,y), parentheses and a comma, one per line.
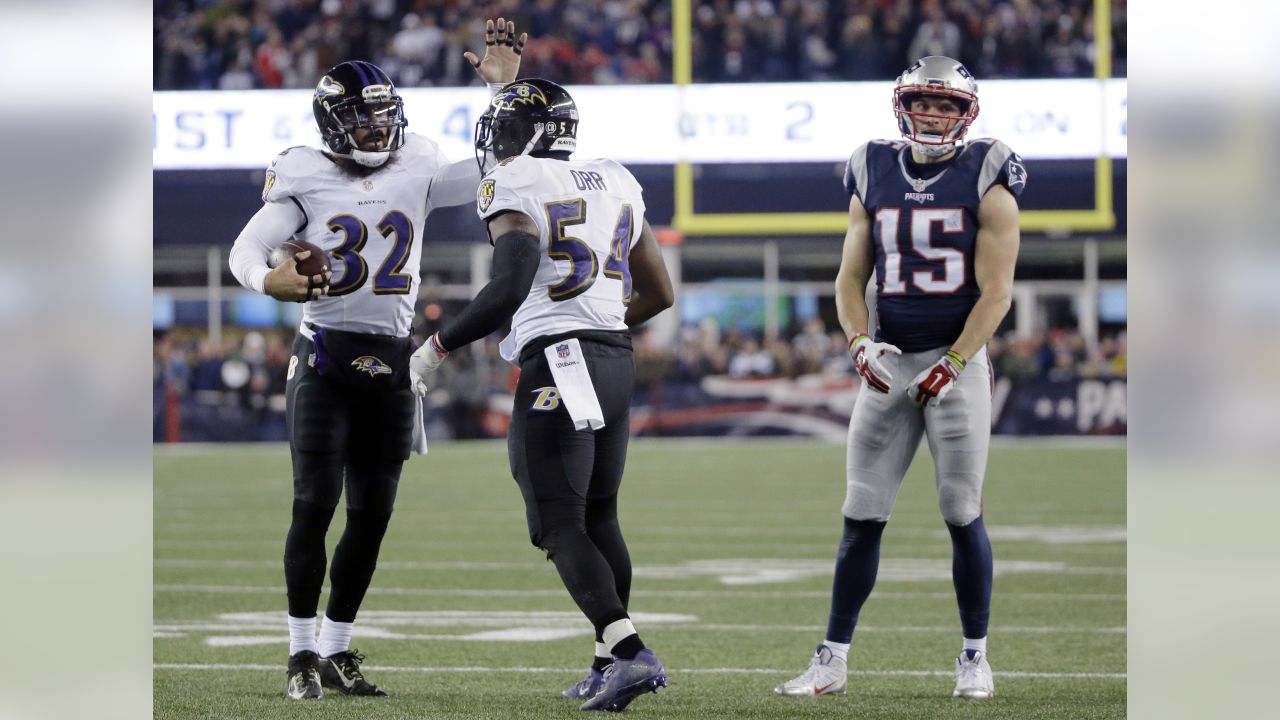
(885,430)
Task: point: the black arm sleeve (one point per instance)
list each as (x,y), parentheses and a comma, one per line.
(515,262)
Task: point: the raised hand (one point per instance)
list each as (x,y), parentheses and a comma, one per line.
(502,50)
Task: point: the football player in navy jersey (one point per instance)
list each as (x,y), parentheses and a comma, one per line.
(936,218)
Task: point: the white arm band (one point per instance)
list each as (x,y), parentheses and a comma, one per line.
(274,223)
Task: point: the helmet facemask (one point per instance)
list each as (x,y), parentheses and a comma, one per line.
(347,121)
(935,134)
(346,118)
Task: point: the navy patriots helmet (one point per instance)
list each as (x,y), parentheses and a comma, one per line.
(354,95)
(527,117)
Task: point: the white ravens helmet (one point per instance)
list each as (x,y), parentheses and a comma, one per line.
(935,75)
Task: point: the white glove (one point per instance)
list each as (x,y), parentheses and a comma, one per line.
(866,359)
(930,386)
(423,363)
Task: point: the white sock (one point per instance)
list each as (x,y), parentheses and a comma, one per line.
(615,632)
(335,637)
(840,650)
(601,650)
(980,645)
(302,634)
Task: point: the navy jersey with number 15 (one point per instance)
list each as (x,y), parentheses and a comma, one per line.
(924,233)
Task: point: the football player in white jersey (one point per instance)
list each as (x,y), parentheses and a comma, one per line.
(363,198)
(575,265)
(936,218)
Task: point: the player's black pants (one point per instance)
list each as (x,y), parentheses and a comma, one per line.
(570,478)
(350,415)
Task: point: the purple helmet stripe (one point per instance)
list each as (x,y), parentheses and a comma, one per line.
(378,76)
(364,78)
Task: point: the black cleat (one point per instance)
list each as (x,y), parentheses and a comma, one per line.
(341,671)
(304,677)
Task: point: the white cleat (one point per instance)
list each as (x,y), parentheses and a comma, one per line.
(827,675)
(973,677)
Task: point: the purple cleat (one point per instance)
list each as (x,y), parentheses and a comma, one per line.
(625,680)
(586,687)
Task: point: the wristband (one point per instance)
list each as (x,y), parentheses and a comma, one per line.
(435,344)
(956,358)
(857,336)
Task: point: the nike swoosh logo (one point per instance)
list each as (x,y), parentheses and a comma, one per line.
(348,683)
(820,690)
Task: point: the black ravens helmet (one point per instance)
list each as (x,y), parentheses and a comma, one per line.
(527,117)
(354,95)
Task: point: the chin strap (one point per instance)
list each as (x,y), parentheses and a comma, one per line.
(370,159)
(532,142)
(933,150)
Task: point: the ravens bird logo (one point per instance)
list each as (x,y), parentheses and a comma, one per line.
(371,365)
(486,195)
(523,93)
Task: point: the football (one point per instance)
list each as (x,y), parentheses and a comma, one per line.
(316,264)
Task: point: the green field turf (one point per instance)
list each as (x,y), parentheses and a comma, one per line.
(733,543)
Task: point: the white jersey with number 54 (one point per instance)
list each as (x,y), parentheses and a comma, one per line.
(589,214)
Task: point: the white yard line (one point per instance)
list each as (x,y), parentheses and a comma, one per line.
(1083,442)
(690,671)
(780,594)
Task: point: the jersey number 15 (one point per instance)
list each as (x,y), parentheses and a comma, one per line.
(922,220)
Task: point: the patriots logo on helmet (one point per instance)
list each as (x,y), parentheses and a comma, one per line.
(371,365)
(562,350)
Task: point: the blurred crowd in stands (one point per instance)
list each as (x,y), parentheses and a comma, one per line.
(245,372)
(243,44)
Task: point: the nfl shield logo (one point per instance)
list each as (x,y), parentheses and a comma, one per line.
(562,350)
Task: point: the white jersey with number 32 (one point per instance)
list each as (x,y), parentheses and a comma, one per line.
(371,224)
(589,214)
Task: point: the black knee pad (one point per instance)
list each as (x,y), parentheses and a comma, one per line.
(602,511)
(317,478)
(551,520)
(372,485)
(310,521)
(556,534)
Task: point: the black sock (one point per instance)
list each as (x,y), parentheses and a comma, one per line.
(600,663)
(628,647)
